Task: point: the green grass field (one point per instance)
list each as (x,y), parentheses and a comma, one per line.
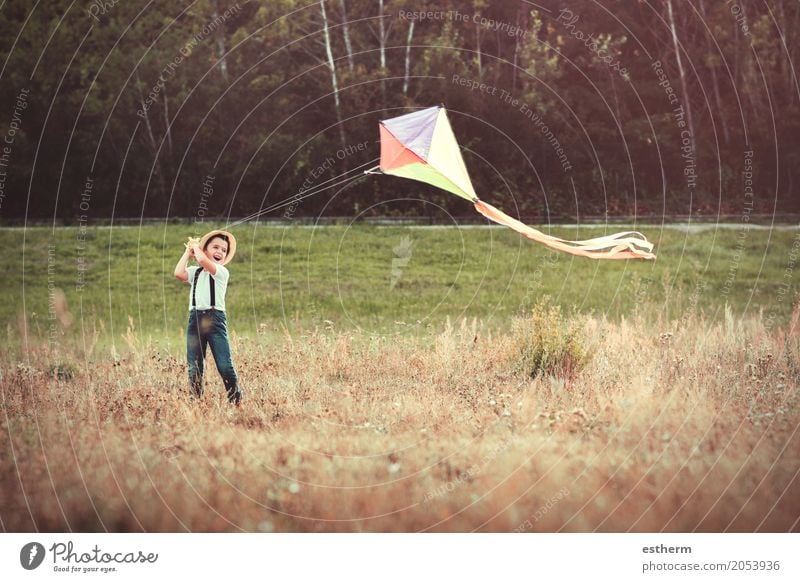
(669,402)
(387,280)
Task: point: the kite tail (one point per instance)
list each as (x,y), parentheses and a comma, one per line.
(623,245)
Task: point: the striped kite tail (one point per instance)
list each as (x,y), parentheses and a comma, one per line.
(623,245)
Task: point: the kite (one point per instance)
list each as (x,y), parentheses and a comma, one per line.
(422,146)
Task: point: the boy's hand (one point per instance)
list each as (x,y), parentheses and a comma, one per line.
(191,245)
(191,242)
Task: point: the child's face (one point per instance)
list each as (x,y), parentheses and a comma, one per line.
(216,250)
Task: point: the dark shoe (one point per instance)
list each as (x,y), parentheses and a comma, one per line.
(236,398)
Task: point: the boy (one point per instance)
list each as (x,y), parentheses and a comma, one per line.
(207,322)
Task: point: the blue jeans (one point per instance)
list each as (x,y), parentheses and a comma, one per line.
(210,328)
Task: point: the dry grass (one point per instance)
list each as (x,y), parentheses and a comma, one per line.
(686,426)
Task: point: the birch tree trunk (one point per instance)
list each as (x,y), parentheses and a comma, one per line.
(220,37)
(167,130)
(156,162)
(408,57)
(714,79)
(758,93)
(332,69)
(791,49)
(516,53)
(783,62)
(478,51)
(681,72)
(382,49)
(346,33)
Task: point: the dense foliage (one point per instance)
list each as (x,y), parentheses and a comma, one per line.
(217,107)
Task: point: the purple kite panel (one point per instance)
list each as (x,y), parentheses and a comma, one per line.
(415,130)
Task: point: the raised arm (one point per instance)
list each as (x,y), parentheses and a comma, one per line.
(203,260)
(180,269)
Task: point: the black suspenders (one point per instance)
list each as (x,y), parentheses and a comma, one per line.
(211,284)
(194,288)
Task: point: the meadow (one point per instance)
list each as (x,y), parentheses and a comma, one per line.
(400,280)
(404,379)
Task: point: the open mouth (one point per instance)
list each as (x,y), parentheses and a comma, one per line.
(218,258)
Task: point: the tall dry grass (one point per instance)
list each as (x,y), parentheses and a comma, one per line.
(682,426)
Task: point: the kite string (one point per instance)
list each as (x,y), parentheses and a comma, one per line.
(323,186)
(295,199)
(289,201)
(311,191)
(315,189)
(317,186)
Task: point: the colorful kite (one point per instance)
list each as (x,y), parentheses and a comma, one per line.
(421,146)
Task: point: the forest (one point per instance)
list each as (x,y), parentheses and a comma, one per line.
(215,108)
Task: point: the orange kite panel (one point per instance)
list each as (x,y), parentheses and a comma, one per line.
(394,154)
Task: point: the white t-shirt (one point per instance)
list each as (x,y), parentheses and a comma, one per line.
(203,297)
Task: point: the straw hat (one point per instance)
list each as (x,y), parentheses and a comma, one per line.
(231,243)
